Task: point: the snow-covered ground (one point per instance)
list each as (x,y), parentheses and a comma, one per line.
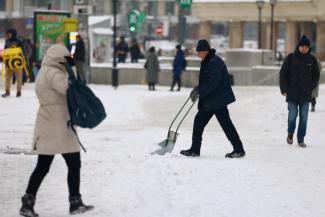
(122,179)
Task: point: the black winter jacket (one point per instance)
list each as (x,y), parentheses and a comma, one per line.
(214,85)
(299,76)
(80,52)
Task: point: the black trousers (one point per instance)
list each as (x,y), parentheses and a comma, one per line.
(201,120)
(43,166)
(176,80)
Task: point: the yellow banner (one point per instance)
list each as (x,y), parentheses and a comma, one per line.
(70,24)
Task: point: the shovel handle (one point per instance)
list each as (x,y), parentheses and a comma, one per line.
(178,114)
(184,116)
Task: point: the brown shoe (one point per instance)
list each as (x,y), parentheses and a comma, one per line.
(290,139)
(6,94)
(18,94)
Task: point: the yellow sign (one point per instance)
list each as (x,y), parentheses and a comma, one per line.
(13,58)
(70,24)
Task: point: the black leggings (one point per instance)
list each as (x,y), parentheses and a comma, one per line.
(43,166)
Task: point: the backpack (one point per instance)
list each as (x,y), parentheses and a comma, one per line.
(85,109)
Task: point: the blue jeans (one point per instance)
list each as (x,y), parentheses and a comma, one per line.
(294,109)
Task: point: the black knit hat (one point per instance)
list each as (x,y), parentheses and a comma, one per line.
(304,41)
(203,45)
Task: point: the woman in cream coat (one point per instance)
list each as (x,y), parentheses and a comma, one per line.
(51,135)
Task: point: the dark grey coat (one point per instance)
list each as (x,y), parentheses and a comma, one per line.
(153,69)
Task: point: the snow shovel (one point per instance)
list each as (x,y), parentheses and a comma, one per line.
(168,144)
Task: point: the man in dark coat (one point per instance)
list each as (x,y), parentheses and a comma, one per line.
(299,76)
(79,59)
(122,49)
(214,93)
(179,66)
(135,51)
(13,42)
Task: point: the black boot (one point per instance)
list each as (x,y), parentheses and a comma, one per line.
(235,154)
(27,209)
(190,153)
(77,206)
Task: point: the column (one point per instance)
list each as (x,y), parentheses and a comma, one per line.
(236,34)
(205,30)
(266,32)
(291,38)
(320,40)
(161,8)
(306,29)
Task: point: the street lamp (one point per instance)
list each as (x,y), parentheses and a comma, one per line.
(114,68)
(272,3)
(259,4)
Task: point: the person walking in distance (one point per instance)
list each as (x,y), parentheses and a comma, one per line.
(315,92)
(80,58)
(13,42)
(51,134)
(299,76)
(153,68)
(135,51)
(122,49)
(179,66)
(215,94)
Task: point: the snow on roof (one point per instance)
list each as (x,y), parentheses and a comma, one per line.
(103,31)
(92,20)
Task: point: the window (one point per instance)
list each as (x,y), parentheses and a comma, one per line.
(2,5)
(152,8)
(169,8)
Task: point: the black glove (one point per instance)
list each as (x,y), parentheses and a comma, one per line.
(195,94)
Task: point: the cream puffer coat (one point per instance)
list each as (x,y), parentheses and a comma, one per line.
(51,135)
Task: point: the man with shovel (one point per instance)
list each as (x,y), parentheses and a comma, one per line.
(214,93)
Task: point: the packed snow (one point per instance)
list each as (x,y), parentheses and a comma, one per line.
(122,179)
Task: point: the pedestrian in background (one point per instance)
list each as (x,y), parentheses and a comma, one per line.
(153,68)
(13,42)
(299,76)
(135,51)
(179,65)
(122,49)
(215,94)
(80,59)
(51,134)
(100,52)
(315,91)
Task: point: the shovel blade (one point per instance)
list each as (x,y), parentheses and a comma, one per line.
(166,146)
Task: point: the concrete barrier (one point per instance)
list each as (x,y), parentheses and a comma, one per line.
(242,57)
(136,74)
